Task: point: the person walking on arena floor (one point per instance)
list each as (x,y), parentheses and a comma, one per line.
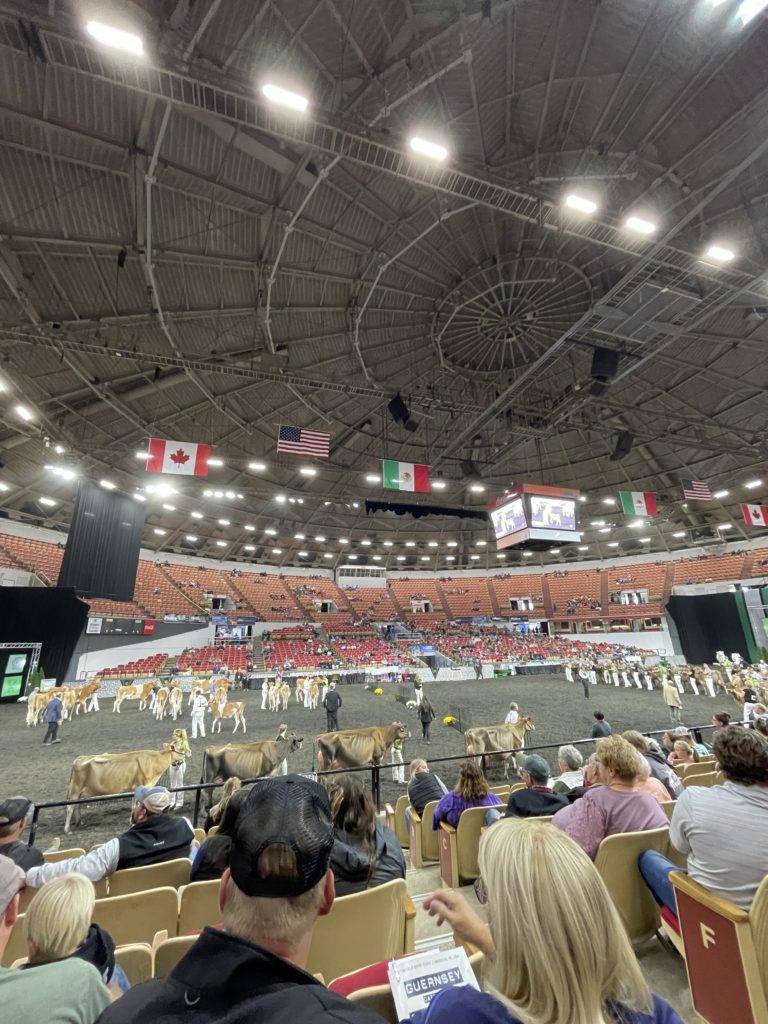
(199,707)
(153,837)
(672,700)
(265,693)
(512,715)
(52,717)
(276,886)
(398,768)
(176,771)
(332,702)
(601,727)
(426,717)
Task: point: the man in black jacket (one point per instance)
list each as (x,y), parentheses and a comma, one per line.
(332,703)
(13,820)
(276,886)
(423,787)
(537,798)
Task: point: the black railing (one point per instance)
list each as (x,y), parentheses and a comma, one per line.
(200,787)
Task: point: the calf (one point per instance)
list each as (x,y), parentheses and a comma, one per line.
(227,709)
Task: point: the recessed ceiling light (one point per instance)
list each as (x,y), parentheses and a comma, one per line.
(48,502)
(215,462)
(387,543)
(613,544)
(139,497)
(320,539)
(372,478)
(224,522)
(605,529)
(107,485)
(477,488)
(752,484)
(680,533)
(23,412)
(725,526)
(720,494)
(580,203)
(303,554)
(280,499)
(169,508)
(527,554)
(401,558)
(308,471)
(609,501)
(583,547)
(582,498)
(285,98)
(191,538)
(249,527)
(158,531)
(749,9)
(277,551)
(640,225)
(221,543)
(450,558)
(438,485)
(107,35)
(425,558)
(426,148)
(554,551)
(257,467)
(249,547)
(327,555)
(720,254)
(142,455)
(410,544)
(270,532)
(432,544)
(196,515)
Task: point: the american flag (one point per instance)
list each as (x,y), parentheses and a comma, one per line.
(696,490)
(296,441)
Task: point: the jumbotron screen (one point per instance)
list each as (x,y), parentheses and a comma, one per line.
(553,513)
(508,519)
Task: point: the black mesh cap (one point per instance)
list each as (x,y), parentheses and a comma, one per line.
(284,811)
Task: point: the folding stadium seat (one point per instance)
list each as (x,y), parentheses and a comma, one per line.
(423,842)
(459,848)
(700,779)
(198,906)
(136,960)
(616,863)
(53,856)
(396,820)
(17,944)
(139,916)
(173,873)
(344,940)
(726,952)
(169,952)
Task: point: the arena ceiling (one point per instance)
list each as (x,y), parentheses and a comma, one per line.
(181,258)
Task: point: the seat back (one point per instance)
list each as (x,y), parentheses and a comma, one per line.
(668,806)
(706,764)
(138,916)
(17,944)
(151,876)
(54,856)
(199,835)
(168,953)
(379,1000)
(430,849)
(361,929)
(398,823)
(136,960)
(699,779)
(616,863)
(468,831)
(199,906)
(722,958)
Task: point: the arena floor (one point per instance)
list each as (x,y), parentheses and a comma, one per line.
(559,711)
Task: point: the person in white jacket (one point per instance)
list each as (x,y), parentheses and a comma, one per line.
(199,707)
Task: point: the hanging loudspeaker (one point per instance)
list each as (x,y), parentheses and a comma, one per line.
(623,447)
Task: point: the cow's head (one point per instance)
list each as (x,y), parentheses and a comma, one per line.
(294,741)
(527,724)
(403,732)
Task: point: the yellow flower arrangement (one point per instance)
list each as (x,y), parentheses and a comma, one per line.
(378,691)
(449,720)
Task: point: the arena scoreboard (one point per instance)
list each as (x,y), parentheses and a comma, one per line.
(120,627)
(535,512)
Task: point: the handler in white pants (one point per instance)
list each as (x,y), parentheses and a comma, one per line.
(198,715)
(398,771)
(93,704)
(264,693)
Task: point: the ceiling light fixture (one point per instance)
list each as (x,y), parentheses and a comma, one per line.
(645,540)
(580,203)
(158,532)
(527,554)
(257,467)
(410,544)
(387,543)
(725,526)
(372,478)
(277,551)
(142,455)
(249,547)
(438,485)
(609,501)
(221,543)
(477,488)
(425,558)
(327,555)
(48,502)
(303,554)
(752,484)
(23,413)
(196,515)
(116,38)
(582,498)
(169,508)
(613,544)
(749,9)
(605,529)
(320,539)
(230,494)
(216,463)
(424,147)
(224,522)
(640,225)
(401,558)
(299,536)
(270,532)
(450,558)
(720,254)
(285,98)
(280,499)
(721,494)
(191,538)
(554,551)
(308,471)
(365,543)
(249,527)
(139,497)
(583,547)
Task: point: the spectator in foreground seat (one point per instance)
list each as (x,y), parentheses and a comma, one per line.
(212,858)
(722,829)
(471,791)
(569,761)
(657,762)
(424,787)
(616,804)
(58,925)
(556,949)
(365,854)
(14,814)
(276,886)
(67,992)
(153,837)
(536,799)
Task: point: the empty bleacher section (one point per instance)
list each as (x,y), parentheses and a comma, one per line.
(312,592)
(203,660)
(575,594)
(202,585)
(35,555)
(518,589)
(419,599)
(269,597)
(467,595)
(297,647)
(142,667)
(374,603)
(710,568)
(156,593)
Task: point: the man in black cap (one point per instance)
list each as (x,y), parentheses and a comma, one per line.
(278,883)
(332,703)
(14,813)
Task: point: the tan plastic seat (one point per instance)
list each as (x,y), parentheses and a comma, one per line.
(17,944)
(396,820)
(169,952)
(199,835)
(699,779)
(616,863)
(704,764)
(54,856)
(726,953)
(213,830)
(151,876)
(136,960)
(459,848)
(138,916)
(199,906)
(668,806)
(363,929)
(424,843)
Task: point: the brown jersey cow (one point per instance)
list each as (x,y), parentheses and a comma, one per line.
(351,748)
(491,740)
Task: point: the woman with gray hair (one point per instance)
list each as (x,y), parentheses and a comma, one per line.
(569,761)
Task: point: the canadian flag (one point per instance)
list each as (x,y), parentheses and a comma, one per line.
(755,515)
(178,457)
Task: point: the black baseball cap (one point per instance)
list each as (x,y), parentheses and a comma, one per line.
(16,808)
(287,810)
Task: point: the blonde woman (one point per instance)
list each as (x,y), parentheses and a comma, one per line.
(556,949)
(180,743)
(57,926)
(616,804)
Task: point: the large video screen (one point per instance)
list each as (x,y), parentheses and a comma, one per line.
(553,513)
(510,518)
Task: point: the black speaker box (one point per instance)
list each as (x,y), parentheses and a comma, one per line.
(623,447)
(605,364)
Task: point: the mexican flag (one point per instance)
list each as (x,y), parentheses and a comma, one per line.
(755,515)
(180,457)
(638,503)
(404,476)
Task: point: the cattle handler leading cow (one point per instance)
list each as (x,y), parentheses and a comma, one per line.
(332,703)
(153,837)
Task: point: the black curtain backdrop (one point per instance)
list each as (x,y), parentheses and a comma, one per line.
(47,615)
(708,623)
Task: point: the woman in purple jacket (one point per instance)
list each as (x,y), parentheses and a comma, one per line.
(471,791)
